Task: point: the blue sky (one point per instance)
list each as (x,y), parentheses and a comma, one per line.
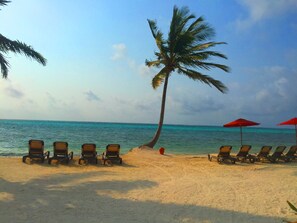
(96,51)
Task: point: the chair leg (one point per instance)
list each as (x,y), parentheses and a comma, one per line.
(24,158)
(233,160)
(220,160)
(209,157)
(252,159)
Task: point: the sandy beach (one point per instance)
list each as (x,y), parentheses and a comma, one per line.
(148,187)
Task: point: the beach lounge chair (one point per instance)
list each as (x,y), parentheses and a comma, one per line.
(88,153)
(277,154)
(223,155)
(263,154)
(243,154)
(61,153)
(36,151)
(290,155)
(112,153)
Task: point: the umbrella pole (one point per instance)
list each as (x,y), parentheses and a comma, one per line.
(296,133)
(241,135)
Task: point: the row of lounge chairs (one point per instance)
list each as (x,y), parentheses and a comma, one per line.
(62,153)
(264,154)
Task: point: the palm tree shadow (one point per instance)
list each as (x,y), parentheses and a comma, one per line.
(72,198)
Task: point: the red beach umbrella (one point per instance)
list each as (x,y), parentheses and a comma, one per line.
(292,121)
(241,123)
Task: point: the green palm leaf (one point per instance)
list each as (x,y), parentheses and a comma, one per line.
(4,65)
(159,78)
(7,45)
(197,76)
(186,50)
(3,2)
(292,207)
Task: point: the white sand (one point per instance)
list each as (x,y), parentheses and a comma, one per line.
(148,187)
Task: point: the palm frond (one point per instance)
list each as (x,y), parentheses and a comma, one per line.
(178,38)
(197,76)
(292,207)
(204,55)
(208,66)
(159,78)
(179,20)
(4,66)
(4,2)
(153,27)
(203,32)
(153,63)
(195,24)
(158,35)
(207,45)
(21,48)
(186,48)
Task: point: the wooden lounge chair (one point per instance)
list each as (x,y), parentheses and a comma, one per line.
(277,154)
(263,154)
(88,153)
(112,153)
(223,155)
(243,154)
(36,151)
(290,155)
(61,153)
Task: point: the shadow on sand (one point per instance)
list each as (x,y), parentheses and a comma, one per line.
(73,201)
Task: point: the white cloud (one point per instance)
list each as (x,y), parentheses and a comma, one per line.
(141,69)
(91,96)
(119,51)
(145,70)
(52,101)
(14,92)
(262,95)
(11,89)
(270,94)
(260,10)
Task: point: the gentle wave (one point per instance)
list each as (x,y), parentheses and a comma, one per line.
(177,139)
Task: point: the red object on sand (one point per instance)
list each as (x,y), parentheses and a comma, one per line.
(241,123)
(162,150)
(292,121)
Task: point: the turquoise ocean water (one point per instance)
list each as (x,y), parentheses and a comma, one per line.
(177,139)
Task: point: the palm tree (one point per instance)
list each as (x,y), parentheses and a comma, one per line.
(7,45)
(186,50)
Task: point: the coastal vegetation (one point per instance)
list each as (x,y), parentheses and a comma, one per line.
(294,209)
(7,45)
(185,52)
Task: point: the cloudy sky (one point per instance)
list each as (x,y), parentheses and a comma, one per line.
(96,51)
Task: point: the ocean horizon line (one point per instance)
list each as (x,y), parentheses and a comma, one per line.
(141,123)
(178,139)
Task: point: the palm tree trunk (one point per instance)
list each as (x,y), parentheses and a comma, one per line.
(153,142)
